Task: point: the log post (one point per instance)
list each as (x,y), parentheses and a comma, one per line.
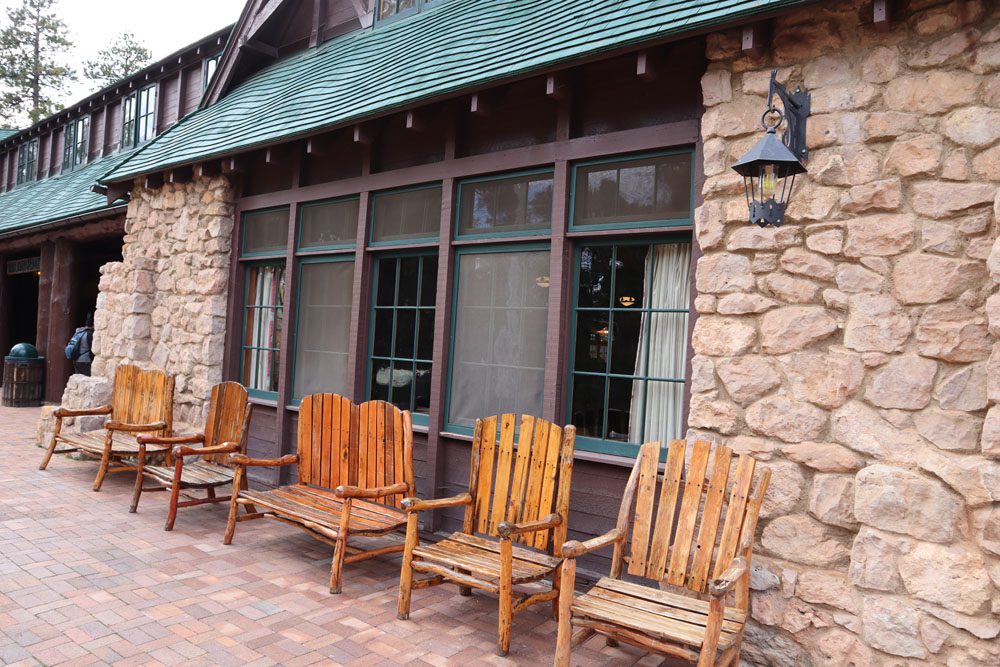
(5,313)
(62,319)
(45,267)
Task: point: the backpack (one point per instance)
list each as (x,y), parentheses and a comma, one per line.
(73,347)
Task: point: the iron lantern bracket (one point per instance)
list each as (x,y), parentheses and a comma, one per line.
(797,107)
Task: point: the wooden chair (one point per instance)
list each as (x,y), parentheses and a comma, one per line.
(355,466)
(705,627)
(141,402)
(529,489)
(225,432)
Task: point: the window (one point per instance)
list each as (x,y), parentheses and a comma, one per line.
(635,192)
(402,341)
(390,9)
(505,205)
(76,138)
(499,329)
(27,162)
(265,236)
(208,71)
(139,117)
(329,224)
(263,305)
(630,326)
(411,215)
(323,331)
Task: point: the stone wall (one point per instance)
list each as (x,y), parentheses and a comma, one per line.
(855,349)
(164,305)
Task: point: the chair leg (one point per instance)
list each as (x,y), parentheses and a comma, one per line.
(105,463)
(406,573)
(506,597)
(337,566)
(175,493)
(233,506)
(564,636)
(465,591)
(52,444)
(137,490)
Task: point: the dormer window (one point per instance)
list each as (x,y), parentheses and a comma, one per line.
(391,9)
(76,143)
(27,162)
(139,117)
(208,71)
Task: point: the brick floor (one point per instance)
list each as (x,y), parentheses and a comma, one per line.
(84,582)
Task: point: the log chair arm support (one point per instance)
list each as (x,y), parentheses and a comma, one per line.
(509,529)
(135,428)
(575,549)
(348,491)
(418,505)
(181,451)
(245,461)
(60,413)
(727,580)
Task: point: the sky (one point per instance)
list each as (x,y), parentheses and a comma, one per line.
(163,26)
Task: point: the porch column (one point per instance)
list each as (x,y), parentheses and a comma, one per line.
(62,319)
(5,313)
(45,267)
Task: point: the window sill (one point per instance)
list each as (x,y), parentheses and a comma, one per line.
(578,455)
(268,402)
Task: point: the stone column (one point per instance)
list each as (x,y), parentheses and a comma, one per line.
(62,319)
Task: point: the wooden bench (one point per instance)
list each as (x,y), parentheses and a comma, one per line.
(142,401)
(529,489)
(698,624)
(206,467)
(355,467)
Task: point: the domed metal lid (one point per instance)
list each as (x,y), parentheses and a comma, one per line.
(23,351)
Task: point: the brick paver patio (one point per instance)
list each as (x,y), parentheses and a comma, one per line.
(82,581)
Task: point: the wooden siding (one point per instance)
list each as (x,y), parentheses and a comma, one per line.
(168,101)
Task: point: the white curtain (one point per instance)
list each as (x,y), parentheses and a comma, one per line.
(266,291)
(664,335)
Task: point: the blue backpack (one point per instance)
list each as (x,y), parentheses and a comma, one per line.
(73,350)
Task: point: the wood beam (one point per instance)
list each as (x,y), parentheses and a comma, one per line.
(316,147)
(362,135)
(62,319)
(365,11)
(477,105)
(118,191)
(644,66)
(180,175)
(46,266)
(154,181)
(266,11)
(210,168)
(555,86)
(259,47)
(234,165)
(882,13)
(755,39)
(318,22)
(413,122)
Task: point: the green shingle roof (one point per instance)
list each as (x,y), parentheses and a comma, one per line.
(461,43)
(7,132)
(57,198)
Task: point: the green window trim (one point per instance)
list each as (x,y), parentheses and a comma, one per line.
(411,241)
(209,68)
(322,248)
(419,418)
(456,227)
(686,221)
(247,309)
(601,445)
(533,246)
(418,6)
(76,140)
(138,107)
(27,162)
(265,254)
(302,262)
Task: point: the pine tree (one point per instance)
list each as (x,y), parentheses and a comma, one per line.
(33,73)
(125,56)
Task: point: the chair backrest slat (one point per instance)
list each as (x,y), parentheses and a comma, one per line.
(520,477)
(690,502)
(143,396)
(704,546)
(643,515)
(228,418)
(367,445)
(666,513)
(714,522)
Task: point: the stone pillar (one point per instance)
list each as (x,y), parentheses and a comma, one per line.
(62,319)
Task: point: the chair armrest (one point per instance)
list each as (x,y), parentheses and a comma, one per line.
(348,491)
(224,448)
(152,439)
(509,529)
(575,549)
(83,412)
(727,581)
(135,428)
(418,505)
(241,460)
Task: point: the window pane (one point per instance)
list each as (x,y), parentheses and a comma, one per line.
(637,336)
(381,372)
(515,204)
(329,224)
(425,337)
(640,190)
(406,331)
(265,231)
(324,303)
(386,292)
(409,215)
(262,326)
(500,334)
(409,273)
(428,286)
(382,337)
(422,388)
(401,389)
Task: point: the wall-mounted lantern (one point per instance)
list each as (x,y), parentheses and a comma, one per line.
(770,166)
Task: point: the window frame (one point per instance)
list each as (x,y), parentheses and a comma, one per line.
(206,76)
(246,268)
(261,254)
(457,234)
(447,425)
(132,121)
(419,6)
(300,218)
(432,238)
(668,223)
(73,145)
(27,162)
(305,260)
(602,445)
(419,418)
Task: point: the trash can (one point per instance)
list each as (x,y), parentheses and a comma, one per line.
(23,377)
